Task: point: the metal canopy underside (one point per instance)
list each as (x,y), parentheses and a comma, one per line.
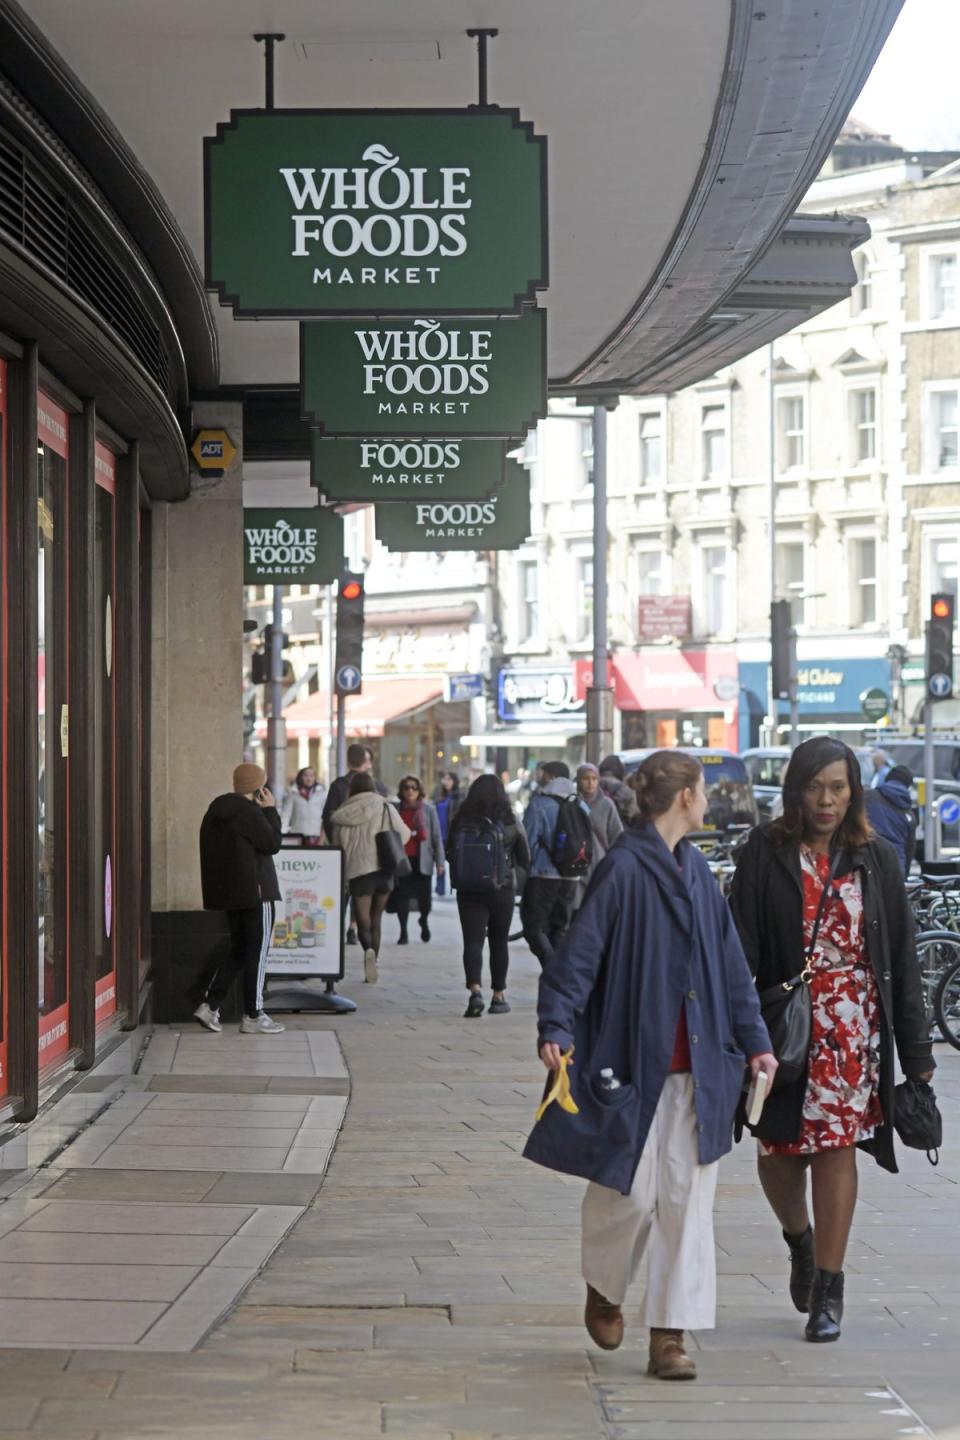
(682,136)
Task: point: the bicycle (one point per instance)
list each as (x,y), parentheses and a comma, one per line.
(938,954)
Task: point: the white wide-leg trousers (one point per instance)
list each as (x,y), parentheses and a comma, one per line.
(667,1217)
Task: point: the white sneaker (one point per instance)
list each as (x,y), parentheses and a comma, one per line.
(370,971)
(210,1019)
(260,1024)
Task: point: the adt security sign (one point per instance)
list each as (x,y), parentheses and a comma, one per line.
(213,451)
(950,810)
(940,686)
(348,679)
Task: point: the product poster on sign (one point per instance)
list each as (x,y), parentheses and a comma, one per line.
(427,376)
(501,523)
(378,469)
(375,212)
(307,934)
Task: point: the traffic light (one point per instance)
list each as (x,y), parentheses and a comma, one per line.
(781,649)
(349,659)
(260,667)
(940,646)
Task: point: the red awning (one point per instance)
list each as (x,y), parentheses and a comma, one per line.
(382,701)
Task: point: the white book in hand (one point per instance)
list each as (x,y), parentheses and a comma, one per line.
(756,1095)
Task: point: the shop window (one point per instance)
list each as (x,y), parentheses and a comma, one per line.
(943,428)
(584,617)
(714,447)
(104,700)
(650,572)
(790,579)
(863,421)
(943,286)
(862,570)
(651,448)
(791,434)
(529,600)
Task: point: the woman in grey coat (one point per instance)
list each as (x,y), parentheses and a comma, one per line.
(605,820)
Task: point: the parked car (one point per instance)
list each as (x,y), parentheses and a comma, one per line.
(730,795)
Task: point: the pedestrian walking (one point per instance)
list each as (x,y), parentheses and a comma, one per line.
(302,810)
(815,893)
(651,993)
(355,825)
(882,765)
(239,836)
(424,851)
(359,762)
(892,816)
(489,857)
(613,783)
(557,824)
(447,799)
(605,819)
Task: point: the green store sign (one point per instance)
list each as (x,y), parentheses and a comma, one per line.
(378,469)
(436,524)
(464,378)
(373,212)
(301,545)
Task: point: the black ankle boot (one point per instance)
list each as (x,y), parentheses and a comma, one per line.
(802,1266)
(826,1306)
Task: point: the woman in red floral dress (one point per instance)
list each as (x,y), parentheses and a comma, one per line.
(865,998)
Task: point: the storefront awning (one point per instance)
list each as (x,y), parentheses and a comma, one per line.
(520,739)
(383,701)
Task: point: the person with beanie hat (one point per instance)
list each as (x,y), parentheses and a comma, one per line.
(892,816)
(613,775)
(239,836)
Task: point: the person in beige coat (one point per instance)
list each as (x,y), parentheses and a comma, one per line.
(356,825)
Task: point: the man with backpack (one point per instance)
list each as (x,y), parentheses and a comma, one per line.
(558,829)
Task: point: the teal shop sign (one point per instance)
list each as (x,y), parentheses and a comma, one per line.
(465,378)
(400,469)
(302,546)
(500,523)
(374,212)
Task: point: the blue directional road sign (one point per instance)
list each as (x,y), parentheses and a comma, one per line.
(940,686)
(950,810)
(348,679)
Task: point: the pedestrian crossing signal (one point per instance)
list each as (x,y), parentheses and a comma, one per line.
(939,667)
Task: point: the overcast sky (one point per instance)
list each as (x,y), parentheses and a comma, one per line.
(913,92)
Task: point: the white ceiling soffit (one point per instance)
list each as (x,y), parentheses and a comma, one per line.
(682,133)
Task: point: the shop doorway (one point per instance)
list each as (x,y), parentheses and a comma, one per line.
(53,731)
(105,729)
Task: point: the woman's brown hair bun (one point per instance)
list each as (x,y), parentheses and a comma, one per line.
(660,778)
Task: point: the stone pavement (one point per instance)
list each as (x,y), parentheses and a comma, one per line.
(427,1285)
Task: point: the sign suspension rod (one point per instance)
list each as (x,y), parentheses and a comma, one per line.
(481,37)
(269,39)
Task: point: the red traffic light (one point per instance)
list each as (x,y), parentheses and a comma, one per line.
(942,608)
(352,590)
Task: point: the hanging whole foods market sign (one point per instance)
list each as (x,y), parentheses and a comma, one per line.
(399,469)
(465,378)
(372,212)
(500,523)
(301,545)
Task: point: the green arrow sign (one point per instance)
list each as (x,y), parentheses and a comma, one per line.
(303,546)
(464,378)
(402,469)
(500,523)
(373,212)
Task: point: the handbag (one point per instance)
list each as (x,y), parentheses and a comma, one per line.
(917,1118)
(391,856)
(786,1008)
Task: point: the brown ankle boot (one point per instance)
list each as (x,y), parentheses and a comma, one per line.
(668,1359)
(604,1321)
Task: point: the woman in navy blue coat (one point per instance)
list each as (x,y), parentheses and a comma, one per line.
(652,991)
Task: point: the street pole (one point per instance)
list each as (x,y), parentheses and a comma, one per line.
(599,694)
(794,697)
(331,734)
(276,725)
(931,830)
(772,701)
(341,734)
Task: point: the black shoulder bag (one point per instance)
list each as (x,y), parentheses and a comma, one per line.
(787,1011)
(391,855)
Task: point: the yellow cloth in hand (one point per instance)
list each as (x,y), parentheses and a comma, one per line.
(560,1089)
